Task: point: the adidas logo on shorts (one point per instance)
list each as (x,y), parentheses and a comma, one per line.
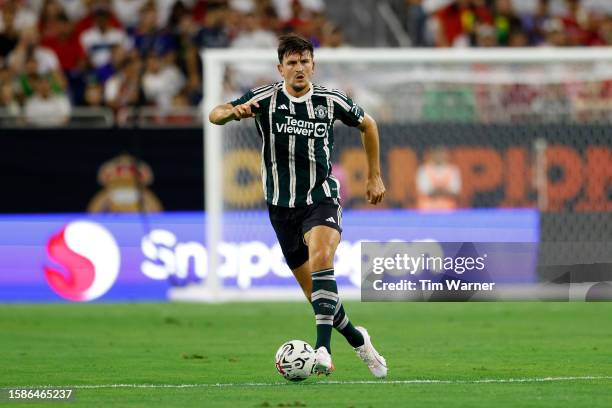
(331,219)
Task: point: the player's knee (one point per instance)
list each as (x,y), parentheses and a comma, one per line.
(321,258)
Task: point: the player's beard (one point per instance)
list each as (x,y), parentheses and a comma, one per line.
(299,88)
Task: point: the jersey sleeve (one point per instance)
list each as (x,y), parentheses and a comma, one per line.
(347,111)
(244,99)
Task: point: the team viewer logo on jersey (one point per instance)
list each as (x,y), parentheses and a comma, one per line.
(320,111)
(301,127)
(320,130)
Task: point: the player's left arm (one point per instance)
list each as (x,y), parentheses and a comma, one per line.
(375,188)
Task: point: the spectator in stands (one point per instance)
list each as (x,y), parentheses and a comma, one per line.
(597,16)
(9,107)
(23,17)
(46,108)
(575,24)
(486,36)
(332,36)
(123,89)
(65,44)
(177,13)
(99,40)
(313,30)
(46,60)
(212,26)
(457,22)
(505,21)
(286,9)
(517,37)
(300,17)
(128,12)
(173,32)
(148,39)
(75,9)
(181,113)
(416,21)
(605,31)
(187,56)
(555,34)
(71,55)
(268,16)
(164,10)
(9,36)
(253,35)
(93,11)
(118,55)
(49,19)
(533,24)
(26,78)
(94,94)
(438,181)
(161,81)
(213,32)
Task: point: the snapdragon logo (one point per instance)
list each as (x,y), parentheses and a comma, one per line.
(166,257)
(89,261)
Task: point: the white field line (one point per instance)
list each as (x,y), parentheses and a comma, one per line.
(283,384)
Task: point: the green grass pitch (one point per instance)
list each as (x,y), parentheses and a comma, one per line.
(200,345)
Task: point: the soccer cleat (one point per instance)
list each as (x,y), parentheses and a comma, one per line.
(368,354)
(323,363)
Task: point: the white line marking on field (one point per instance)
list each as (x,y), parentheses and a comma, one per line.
(276,384)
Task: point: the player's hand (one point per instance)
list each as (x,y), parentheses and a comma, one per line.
(375,190)
(244,111)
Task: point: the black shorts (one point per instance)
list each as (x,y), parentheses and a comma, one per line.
(290,225)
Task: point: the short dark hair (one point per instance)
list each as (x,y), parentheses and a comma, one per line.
(293,44)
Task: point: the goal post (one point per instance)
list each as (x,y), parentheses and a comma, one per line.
(408,90)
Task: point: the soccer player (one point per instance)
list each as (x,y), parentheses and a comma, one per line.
(295,120)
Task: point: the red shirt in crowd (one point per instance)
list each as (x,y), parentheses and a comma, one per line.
(456,20)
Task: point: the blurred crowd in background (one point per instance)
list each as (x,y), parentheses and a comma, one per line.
(59,54)
(512,23)
(55,54)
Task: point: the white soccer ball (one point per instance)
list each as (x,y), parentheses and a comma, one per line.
(295,360)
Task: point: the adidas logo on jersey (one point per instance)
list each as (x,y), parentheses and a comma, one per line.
(331,219)
(283,106)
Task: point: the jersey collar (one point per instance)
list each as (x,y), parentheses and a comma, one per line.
(302,98)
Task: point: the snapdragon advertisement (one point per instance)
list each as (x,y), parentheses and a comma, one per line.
(135,257)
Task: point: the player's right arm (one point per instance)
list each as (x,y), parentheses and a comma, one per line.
(222,114)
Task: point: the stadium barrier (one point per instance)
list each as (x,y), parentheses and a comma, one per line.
(497,163)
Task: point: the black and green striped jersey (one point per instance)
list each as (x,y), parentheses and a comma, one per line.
(298,141)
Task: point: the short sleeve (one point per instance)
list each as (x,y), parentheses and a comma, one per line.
(347,111)
(243,99)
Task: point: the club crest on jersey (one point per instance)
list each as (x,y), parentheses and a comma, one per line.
(320,111)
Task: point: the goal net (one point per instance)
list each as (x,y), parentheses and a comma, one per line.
(526,130)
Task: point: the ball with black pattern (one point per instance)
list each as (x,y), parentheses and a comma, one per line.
(294,360)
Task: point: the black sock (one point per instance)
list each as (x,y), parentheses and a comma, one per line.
(346,328)
(324,299)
